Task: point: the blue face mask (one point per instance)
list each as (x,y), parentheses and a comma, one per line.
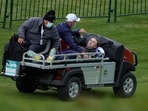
(49,25)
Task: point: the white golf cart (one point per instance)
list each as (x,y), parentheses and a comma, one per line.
(70,76)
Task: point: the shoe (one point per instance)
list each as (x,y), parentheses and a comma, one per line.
(3,71)
(49,59)
(37,57)
(51,55)
(30,53)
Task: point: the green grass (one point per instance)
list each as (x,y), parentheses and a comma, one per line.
(100,99)
(130,31)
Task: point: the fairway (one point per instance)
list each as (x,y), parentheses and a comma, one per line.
(100,99)
(131,31)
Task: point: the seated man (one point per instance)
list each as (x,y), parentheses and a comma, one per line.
(38,31)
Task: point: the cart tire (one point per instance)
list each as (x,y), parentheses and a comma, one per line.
(127,86)
(72,89)
(26,85)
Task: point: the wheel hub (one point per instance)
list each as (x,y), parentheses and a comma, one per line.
(128,85)
(73,89)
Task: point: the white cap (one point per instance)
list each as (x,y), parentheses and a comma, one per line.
(72,17)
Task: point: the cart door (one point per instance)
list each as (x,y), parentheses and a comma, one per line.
(91,74)
(107,73)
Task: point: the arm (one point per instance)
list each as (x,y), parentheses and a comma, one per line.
(22,30)
(24,27)
(78,32)
(55,38)
(68,38)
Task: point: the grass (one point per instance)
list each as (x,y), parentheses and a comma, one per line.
(130,31)
(101,99)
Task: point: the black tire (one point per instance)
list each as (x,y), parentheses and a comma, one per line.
(127,86)
(72,89)
(26,85)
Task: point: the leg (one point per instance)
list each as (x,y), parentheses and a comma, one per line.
(70,52)
(36,48)
(67,52)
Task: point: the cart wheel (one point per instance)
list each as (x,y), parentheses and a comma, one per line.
(127,86)
(26,85)
(72,89)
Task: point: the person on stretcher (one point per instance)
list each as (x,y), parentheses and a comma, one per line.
(91,45)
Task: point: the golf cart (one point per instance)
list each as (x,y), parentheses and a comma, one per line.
(70,76)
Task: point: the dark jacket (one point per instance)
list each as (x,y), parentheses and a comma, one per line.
(31,29)
(66,34)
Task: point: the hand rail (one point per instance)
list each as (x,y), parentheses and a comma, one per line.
(42,63)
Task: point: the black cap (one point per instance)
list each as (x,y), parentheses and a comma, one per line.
(50,16)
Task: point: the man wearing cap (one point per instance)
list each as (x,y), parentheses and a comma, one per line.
(39,31)
(66,34)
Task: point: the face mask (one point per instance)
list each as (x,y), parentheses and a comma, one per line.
(49,25)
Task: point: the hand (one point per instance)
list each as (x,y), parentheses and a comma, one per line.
(84,55)
(20,40)
(82,31)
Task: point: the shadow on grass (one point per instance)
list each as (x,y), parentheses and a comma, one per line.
(98,93)
(52,94)
(41,95)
